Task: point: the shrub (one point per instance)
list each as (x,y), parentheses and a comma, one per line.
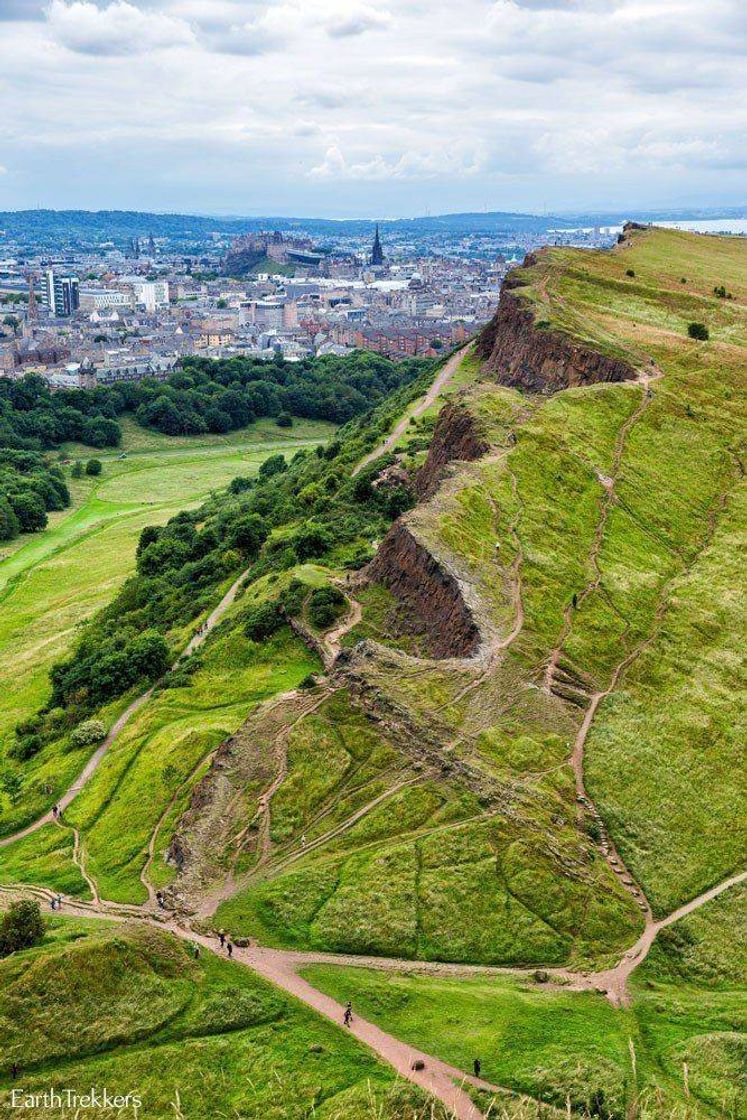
(292,599)
(275,464)
(88,733)
(249,533)
(8,521)
(629,272)
(698,331)
(284,420)
(21,927)
(29,510)
(93,467)
(25,747)
(311,541)
(262,621)
(325,605)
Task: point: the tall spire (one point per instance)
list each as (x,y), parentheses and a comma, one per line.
(377,253)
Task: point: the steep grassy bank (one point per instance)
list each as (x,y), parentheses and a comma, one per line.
(134,1012)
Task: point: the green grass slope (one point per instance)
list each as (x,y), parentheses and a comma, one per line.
(628,496)
(130,1009)
(59,578)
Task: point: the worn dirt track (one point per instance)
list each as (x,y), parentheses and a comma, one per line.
(445,375)
(93,763)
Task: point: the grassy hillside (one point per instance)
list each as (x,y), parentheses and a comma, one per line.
(625,496)
(128,1008)
(559,1045)
(57,579)
(533,798)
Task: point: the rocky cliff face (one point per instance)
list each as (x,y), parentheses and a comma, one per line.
(538,360)
(427,590)
(456,437)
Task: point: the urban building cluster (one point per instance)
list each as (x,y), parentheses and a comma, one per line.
(97,313)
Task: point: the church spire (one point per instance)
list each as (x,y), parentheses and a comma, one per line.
(377,253)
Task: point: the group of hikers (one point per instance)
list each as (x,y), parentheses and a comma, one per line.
(56,902)
(225,943)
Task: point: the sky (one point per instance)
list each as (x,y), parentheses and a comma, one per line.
(372,108)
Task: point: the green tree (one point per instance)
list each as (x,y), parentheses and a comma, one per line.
(274,464)
(29,509)
(76,470)
(93,467)
(249,533)
(698,331)
(21,927)
(8,521)
(11,785)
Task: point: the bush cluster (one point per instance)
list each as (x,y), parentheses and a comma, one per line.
(29,488)
(21,927)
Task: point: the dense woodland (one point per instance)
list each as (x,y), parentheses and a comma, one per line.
(201,397)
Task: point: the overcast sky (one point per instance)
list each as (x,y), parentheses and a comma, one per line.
(372,107)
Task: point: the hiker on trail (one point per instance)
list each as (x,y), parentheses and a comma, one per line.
(303,840)
(229,948)
(575,600)
(221,938)
(348,1016)
(196,951)
(55,812)
(477,1066)
(59,901)
(53,903)
(159,899)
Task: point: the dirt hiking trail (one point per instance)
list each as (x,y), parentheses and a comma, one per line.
(93,763)
(444,376)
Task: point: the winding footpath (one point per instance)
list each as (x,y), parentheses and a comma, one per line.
(441,381)
(94,761)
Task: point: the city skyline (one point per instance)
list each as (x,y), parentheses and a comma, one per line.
(352,109)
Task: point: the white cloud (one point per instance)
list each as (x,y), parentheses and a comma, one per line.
(407,165)
(356,20)
(118,29)
(254,104)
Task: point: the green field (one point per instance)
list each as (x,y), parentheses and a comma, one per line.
(51,582)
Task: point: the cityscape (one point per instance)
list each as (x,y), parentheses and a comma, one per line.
(99,313)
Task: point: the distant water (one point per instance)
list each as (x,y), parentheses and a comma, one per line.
(710,225)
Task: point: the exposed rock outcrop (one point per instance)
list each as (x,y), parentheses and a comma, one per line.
(427,590)
(537,359)
(457,436)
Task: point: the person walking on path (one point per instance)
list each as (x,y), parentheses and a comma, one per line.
(477,1066)
(229,949)
(348,1016)
(222,938)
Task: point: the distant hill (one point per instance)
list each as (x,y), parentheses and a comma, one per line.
(122,225)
